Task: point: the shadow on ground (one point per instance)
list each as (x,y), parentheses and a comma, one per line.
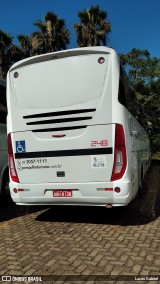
(141,211)
(11,210)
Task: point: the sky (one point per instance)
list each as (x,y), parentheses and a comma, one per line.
(134,23)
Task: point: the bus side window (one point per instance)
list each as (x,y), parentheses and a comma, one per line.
(126,95)
(131,101)
(2,117)
(121,94)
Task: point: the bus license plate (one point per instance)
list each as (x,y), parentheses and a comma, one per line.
(62,193)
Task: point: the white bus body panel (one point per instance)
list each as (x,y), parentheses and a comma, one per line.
(62,112)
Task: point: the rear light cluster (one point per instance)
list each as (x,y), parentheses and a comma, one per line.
(116,189)
(11,164)
(120,160)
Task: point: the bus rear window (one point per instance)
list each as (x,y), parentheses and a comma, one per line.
(60,82)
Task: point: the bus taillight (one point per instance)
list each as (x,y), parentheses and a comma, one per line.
(11,164)
(120,160)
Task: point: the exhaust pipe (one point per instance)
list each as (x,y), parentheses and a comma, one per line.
(109,206)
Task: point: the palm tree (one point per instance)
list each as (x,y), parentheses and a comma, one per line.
(25,45)
(52,35)
(9,53)
(5,43)
(93,27)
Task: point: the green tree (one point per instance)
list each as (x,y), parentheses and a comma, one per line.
(52,35)
(144,74)
(9,53)
(25,45)
(142,67)
(93,28)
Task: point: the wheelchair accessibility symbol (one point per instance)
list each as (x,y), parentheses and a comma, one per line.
(20,146)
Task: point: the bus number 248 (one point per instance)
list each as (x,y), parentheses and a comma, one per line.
(103,143)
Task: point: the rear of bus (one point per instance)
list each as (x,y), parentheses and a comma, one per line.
(66,132)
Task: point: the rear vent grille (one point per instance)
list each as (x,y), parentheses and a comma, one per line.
(59,117)
(52,121)
(59,113)
(59,129)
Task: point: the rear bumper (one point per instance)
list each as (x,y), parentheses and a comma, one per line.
(89,194)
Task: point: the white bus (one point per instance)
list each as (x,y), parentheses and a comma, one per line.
(72,139)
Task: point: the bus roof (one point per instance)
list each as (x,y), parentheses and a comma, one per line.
(62,54)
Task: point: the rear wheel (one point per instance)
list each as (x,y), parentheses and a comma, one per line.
(6,197)
(140,189)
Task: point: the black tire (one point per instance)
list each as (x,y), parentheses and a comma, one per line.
(6,197)
(140,189)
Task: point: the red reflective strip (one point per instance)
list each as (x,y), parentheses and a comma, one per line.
(108,189)
(58,135)
(20,189)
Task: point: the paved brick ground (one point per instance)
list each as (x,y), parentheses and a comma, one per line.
(84,241)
